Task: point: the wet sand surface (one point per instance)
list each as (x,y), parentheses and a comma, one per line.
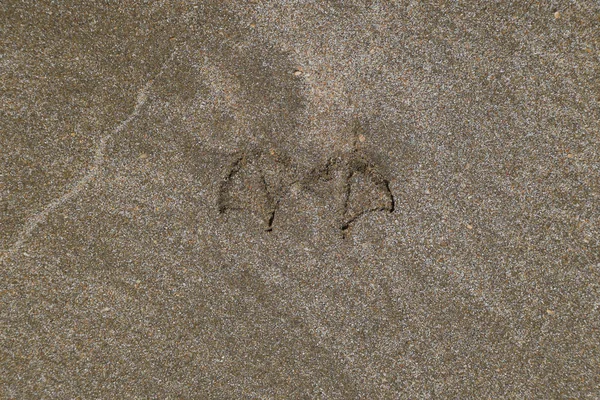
(299,199)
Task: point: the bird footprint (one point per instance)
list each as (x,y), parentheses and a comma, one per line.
(255,183)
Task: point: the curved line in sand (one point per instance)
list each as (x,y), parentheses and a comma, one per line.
(32,223)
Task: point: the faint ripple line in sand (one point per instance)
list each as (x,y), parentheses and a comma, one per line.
(77,187)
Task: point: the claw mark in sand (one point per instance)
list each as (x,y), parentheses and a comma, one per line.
(37,219)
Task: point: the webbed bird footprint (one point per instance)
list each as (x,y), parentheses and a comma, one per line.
(257,182)
(253,185)
(355,183)
(366,191)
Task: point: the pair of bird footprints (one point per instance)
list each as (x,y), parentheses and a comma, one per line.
(257,182)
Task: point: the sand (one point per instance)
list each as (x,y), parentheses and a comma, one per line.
(299,199)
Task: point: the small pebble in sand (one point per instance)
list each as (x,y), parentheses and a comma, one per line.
(556,14)
(361,138)
(297,72)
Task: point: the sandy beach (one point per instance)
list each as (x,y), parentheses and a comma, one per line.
(299,199)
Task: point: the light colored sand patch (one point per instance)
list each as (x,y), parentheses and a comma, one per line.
(35,220)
